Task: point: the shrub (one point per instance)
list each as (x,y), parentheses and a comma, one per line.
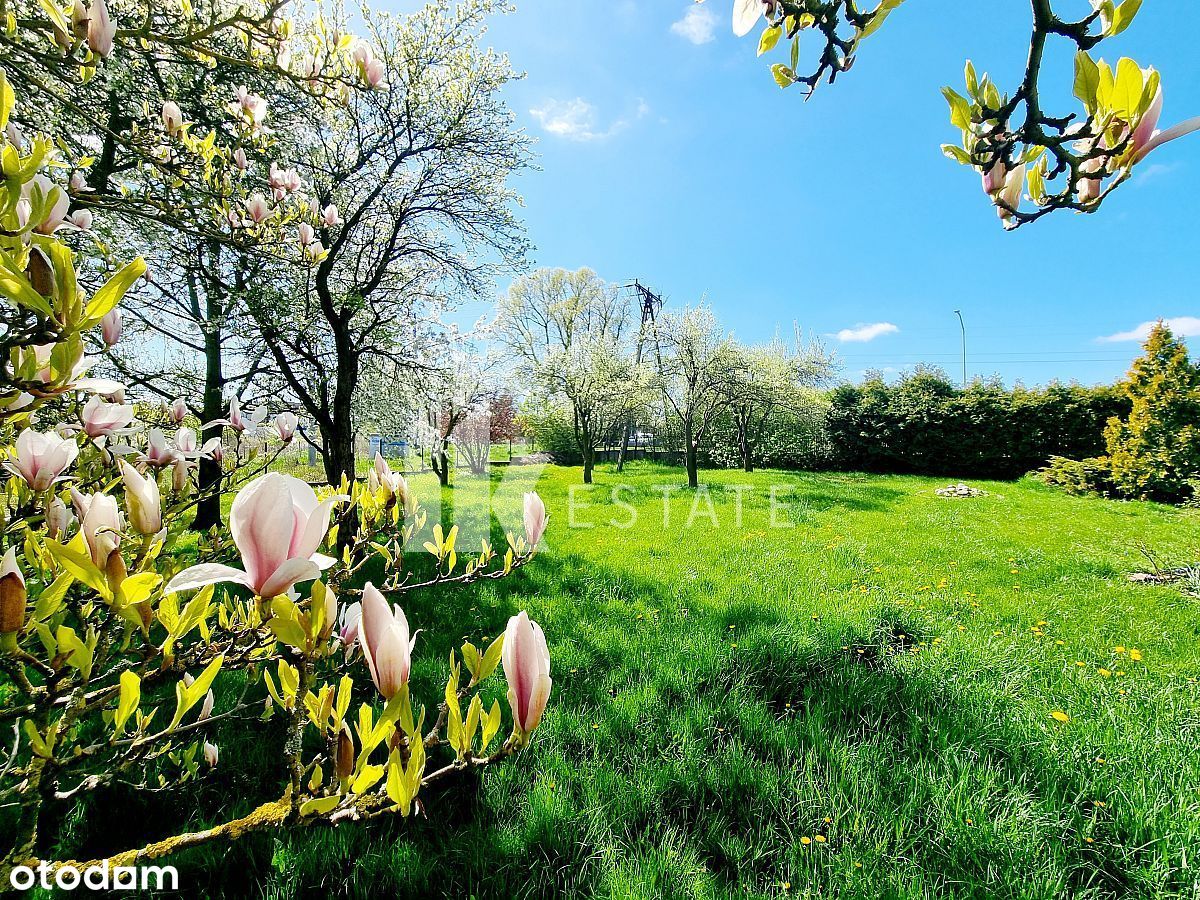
(924,424)
(550,427)
(1078,477)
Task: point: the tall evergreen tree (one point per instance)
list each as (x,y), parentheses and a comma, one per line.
(1157,449)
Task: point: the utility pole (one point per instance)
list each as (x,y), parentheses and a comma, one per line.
(963,325)
(651,304)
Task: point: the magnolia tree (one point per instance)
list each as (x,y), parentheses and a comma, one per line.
(111,642)
(1032,160)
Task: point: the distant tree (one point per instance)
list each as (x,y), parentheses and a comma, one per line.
(770,381)
(571,334)
(502,418)
(700,363)
(1156,450)
(418,172)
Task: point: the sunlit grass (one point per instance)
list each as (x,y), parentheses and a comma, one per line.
(885,693)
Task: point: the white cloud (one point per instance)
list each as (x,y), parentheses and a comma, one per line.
(862,333)
(1153,172)
(698,25)
(1182,326)
(574,120)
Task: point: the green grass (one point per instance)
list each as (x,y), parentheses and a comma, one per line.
(856,705)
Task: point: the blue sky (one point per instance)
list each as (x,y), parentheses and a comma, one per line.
(668,154)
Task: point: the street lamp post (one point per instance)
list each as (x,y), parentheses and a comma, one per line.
(963,325)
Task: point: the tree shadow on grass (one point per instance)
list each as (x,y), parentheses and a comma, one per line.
(691,743)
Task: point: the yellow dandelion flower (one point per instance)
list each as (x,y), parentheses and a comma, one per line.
(1080,663)
(1059,716)
(806,841)
(1135,655)
(1105,673)
(820,838)
(1118,649)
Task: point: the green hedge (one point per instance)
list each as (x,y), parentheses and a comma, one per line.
(925,424)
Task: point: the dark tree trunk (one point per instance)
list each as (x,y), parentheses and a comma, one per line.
(339,458)
(208,509)
(439,458)
(589,462)
(689,453)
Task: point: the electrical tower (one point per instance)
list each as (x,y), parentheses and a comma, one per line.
(651,304)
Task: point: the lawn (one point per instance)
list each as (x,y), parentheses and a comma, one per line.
(855,698)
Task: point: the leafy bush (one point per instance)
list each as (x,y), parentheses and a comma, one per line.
(550,427)
(1156,450)
(925,424)
(791,439)
(1078,477)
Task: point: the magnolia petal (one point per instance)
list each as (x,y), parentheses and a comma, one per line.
(206,574)
(292,572)
(537,702)
(1163,137)
(746,14)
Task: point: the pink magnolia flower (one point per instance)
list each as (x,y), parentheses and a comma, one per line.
(527,669)
(211,754)
(207,707)
(185,441)
(158,455)
(382,476)
(56,214)
(110,326)
(78,182)
(330,217)
(58,518)
(285,426)
(142,503)
(258,209)
(172,117)
(101,525)
(362,53)
(101,30)
(239,422)
(214,449)
(177,411)
(1146,137)
(277,524)
(993,178)
(348,625)
(306,233)
(79,20)
(386,643)
(82,219)
(375,74)
(181,475)
(101,419)
(535,519)
(1010,194)
(41,459)
(240,159)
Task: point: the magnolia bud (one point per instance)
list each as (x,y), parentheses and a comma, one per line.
(39,272)
(345,753)
(12,594)
(115,571)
